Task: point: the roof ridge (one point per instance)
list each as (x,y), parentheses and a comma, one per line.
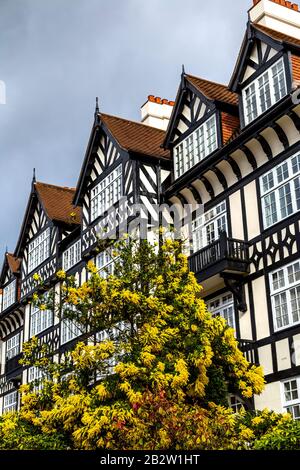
(133,122)
(63,188)
(209,81)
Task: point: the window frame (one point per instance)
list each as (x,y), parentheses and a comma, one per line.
(17,346)
(284,289)
(224,305)
(9,296)
(196,146)
(257,95)
(293,403)
(48,323)
(13,406)
(200,234)
(34,249)
(271,184)
(71,256)
(105,191)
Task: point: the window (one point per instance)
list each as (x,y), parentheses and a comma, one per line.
(105,263)
(106,193)
(235,403)
(13,346)
(71,256)
(264,92)
(291,397)
(285,295)
(40,320)
(207,228)
(223,306)
(36,376)
(10,402)
(70,329)
(9,295)
(39,250)
(201,143)
(280,189)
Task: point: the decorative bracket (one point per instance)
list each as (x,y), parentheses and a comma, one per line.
(236,287)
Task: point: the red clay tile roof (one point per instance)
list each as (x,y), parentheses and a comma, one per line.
(295,60)
(57,202)
(230,126)
(13,263)
(136,137)
(277,35)
(213,91)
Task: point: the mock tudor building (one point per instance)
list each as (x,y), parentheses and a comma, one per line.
(235,149)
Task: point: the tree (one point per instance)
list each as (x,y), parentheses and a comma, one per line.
(161,377)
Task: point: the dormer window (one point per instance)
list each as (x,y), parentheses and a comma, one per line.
(197,146)
(264,92)
(106,193)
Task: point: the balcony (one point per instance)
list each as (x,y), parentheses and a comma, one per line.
(225,255)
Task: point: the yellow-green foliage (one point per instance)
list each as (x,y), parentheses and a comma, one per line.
(175,362)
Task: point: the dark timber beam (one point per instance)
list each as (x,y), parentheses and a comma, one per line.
(295,118)
(234,166)
(250,157)
(208,186)
(265,146)
(281,135)
(220,177)
(195,194)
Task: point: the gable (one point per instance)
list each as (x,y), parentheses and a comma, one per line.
(191,108)
(259,56)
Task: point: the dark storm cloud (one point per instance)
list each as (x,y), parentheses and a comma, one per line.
(57,55)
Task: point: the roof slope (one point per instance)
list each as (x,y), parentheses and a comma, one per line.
(213,91)
(57,202)
(13,263)
(136,137)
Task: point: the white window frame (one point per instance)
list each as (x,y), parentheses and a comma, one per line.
(13,346)
(10,402)
(273,184)
(9,295)
(197,146)
(235,403)
(40,320)
(35,374)
(206,228)
(284,287)
(39,250)
(71,256)
(223,306)
(105,263)
(291,405)
(106,193)
(255,87)
(69,330)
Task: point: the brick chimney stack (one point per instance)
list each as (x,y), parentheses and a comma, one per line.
(156,112)
(280,15)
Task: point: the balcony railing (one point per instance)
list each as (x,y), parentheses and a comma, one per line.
(224,255)
(249,348)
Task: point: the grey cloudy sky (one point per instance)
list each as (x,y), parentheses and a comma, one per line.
(57,55)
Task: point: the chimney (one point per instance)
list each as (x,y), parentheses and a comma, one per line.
(279,15)
(156,112)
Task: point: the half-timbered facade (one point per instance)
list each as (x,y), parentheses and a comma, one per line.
(233,149)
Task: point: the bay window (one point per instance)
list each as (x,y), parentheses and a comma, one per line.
(39,250)
(207,228)
(264,92)
(106,193)
(40,320)
(280,190)
(198,145)
(291,397)
(285,295)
